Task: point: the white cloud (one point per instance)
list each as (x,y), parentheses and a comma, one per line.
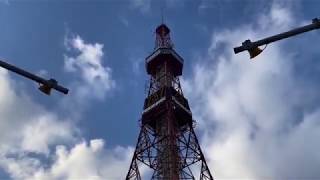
(45,130)
(43,73)
(26,127)
(124,20)
(22,120)
(83,161)
(37,143)
(87,161)
(253,114)
(143,6)
(96,78)
(137,63)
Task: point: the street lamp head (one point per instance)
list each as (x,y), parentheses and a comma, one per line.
(253,49)
(46,87)
(254,52)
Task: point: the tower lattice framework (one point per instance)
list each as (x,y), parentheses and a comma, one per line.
(167,142)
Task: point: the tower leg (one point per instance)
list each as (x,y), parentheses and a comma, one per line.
(145,153)
(133,173)
(191,153)
(149,149)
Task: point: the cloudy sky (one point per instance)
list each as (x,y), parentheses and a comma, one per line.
(255,119)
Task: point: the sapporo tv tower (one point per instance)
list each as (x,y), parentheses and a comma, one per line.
(167,142)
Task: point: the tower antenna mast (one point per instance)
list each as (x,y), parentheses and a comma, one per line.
(162,14)
(167,143)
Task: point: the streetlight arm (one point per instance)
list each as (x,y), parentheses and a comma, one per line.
(48,84)
(248,45)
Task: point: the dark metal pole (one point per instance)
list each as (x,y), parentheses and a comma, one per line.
(51,83)
(248,45)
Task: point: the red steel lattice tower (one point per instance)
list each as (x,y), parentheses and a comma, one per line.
(167,142)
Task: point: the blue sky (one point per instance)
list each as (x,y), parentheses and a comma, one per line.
(97,49)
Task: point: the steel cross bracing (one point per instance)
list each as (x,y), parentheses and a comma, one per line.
(147,150)
(150,142)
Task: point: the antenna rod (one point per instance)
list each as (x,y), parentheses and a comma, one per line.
(46,83)
(162,14)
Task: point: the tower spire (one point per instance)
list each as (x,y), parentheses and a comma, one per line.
(163,39)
